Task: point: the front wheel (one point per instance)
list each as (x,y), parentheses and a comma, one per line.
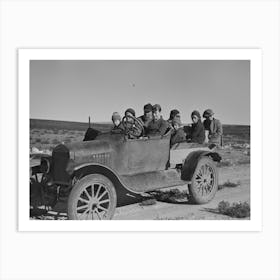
(204,184)
(92,198)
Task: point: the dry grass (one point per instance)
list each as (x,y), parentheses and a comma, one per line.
(235,210)
(47,139)
(228,184)
(171,196)
(148,202)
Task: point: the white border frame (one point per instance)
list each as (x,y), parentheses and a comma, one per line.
(254,55)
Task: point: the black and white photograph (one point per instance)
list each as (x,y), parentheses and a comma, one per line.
(140,139)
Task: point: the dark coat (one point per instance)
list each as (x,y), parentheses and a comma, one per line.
(178,136)
(197,133)
(215,131)
(118,129)
(157,127)
(145,122)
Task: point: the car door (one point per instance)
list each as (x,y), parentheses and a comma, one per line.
(144,155)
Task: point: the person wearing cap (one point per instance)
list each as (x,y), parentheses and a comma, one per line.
(197,131)
(213,128)
(158,126)
(178,134)
(117,123)
(173,114)
(147,117)
(131,124)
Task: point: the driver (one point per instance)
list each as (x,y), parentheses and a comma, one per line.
(131,124)
(147,117)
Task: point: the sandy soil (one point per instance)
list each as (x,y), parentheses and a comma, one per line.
(184,210)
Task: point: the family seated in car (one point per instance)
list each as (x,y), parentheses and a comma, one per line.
(151,123)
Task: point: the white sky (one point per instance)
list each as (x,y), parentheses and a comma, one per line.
(74,90)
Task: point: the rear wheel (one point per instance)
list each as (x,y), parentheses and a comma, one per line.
(204,182)
(92,198)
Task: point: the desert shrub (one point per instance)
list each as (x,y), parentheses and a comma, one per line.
(224,163)
(244,161)
(45,141)
(172,195)
(67,139)
(55,141)
(228,184)
(148,202)
(235,210)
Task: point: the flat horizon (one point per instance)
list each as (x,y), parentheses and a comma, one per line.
(108,122)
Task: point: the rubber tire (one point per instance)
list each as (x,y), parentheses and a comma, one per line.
(86,181)
(195,196)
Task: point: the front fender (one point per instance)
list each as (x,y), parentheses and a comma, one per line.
(92,168)
(191,161)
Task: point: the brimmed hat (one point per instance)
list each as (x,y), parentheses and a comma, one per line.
(173,113)
(148,108)
(131,111)
(156,107)
(116,116)
(196,113)
(208,113)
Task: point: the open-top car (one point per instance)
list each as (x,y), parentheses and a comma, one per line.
(91,176)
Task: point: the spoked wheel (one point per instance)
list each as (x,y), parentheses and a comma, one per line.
(204,183)
(92,198)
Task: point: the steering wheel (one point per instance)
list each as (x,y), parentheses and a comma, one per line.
(132,126)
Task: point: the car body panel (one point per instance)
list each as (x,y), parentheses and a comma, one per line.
(124,156)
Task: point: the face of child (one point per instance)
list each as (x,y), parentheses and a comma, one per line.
(195,119)
(117,122)
(156,115)
(148,115)
(209,118)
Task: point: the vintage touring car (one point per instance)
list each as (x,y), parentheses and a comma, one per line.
(91,176)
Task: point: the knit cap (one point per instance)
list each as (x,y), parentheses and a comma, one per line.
(131,111)
(208,113)
(116,116)
(196,113)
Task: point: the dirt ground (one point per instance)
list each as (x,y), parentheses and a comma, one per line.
(185,210)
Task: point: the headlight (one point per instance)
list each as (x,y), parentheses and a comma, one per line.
(45,165)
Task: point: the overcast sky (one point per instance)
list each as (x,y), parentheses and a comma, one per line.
(74,90)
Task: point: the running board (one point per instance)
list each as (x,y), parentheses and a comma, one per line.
(150,181)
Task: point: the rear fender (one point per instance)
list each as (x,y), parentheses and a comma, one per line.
(191,161)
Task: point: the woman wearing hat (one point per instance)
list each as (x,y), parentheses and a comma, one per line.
(197,132)
(213,128)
